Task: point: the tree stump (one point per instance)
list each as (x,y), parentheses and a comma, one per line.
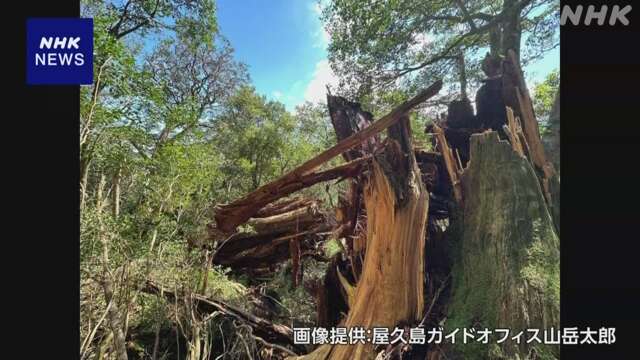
(506,273)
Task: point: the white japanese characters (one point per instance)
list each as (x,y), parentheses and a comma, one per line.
(421,335)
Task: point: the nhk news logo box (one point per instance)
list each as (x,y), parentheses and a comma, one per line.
(59,51)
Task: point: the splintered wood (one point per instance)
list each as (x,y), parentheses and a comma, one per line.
(390,289)
(450,161)
(513,131)
(530,126)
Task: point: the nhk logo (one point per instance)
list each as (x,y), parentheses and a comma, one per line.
(62,59)
(578,16)
(59,51)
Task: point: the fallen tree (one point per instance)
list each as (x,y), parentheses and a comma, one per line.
(404,212)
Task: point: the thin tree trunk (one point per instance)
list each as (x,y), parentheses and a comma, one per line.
(104,347)
(115,321)
(156,342)
(85,164)
(462,69)
(116,193)
(511,28)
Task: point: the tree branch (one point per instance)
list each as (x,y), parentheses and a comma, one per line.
(495,20)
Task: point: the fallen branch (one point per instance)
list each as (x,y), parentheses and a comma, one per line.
(229,216)
(283,206)
(275,333)
(274,346)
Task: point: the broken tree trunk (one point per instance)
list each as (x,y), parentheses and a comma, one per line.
(348,118)
(516,96)
(230,215)
(506,272)
(390,289)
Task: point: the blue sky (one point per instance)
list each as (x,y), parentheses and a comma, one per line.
(284,45)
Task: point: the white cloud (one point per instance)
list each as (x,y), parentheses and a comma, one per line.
(316,90)
(321,37)
(315,7)
(277,94)
(320,34)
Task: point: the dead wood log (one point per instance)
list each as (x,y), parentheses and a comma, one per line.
(296,219)
(230,215)
(274,333)
(283,206)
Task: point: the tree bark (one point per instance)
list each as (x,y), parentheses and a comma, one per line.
(506,273)
(511,27)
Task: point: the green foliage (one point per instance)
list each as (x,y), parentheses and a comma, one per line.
(331,248)
(406,44)
(168,130)
(297,303)
(544,94)
(254,136)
